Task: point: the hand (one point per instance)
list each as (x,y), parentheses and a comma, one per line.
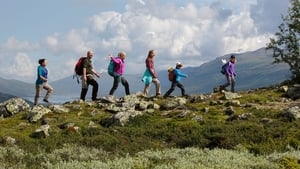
(98,75)
(110,56)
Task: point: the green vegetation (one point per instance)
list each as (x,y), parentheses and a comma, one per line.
(163,139)
(286,45)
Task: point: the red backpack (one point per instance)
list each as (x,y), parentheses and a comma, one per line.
(171,74)
(79,66)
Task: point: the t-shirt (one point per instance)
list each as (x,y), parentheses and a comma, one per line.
(41,71)
(87,63)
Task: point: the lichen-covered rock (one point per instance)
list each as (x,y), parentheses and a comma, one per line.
(173,103)
(292,113)
(121,118)
(59,109)
(231,96)
(13,106)
(36,113)
(41,132)
(294,92)
(9,140)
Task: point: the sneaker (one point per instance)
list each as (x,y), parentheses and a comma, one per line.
(45,100)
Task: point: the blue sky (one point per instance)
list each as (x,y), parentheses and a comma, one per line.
(189,31)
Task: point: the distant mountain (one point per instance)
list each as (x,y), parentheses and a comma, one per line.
(254,69)
(16,87)
(4,97)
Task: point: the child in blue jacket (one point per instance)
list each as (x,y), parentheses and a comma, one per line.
(176,81)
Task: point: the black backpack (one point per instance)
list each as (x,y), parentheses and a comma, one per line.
(224,67)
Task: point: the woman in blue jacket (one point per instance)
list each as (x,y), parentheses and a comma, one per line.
(42,82)
(176,81)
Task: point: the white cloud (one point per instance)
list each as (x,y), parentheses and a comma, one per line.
(12,44)
(22,66)
(192,32)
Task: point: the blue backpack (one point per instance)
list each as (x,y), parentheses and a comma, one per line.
(224,67)
(111,68)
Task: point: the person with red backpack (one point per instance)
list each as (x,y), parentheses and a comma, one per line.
(229,71)
(176,80)
(88,73)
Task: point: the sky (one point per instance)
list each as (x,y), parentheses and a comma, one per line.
(188,31)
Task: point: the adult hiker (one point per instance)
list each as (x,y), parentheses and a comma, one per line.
(88,74)
(118,72)
(42,82)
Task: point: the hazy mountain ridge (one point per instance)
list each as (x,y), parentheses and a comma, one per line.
(254,69)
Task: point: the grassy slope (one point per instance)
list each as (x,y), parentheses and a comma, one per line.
(165,130)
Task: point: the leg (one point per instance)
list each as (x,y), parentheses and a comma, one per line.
(126,85)
(146,89)
(182,88)
(157,85)
(174,84)
(232,84)
(84,89)
(37,94)
(95,85)
(115,85)
(49,89)
(222,87)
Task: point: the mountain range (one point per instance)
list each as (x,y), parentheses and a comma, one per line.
(254,69)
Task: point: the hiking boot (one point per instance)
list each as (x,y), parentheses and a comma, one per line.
(45,100)
(96,99)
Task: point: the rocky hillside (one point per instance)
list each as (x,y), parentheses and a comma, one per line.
(259,121)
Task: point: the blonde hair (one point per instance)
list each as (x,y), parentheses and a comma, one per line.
(122,54)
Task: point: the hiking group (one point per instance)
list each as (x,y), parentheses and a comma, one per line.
(84,68)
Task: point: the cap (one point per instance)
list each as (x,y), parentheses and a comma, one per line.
(178,64)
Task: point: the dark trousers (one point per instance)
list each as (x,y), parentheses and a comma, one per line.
(230,81)
(84,89)
(117,80)
(174,84)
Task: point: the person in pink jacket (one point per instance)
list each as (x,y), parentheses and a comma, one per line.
(118,73)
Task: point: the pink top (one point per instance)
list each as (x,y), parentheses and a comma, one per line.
(119,65)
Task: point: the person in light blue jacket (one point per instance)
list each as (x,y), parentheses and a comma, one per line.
(176,81)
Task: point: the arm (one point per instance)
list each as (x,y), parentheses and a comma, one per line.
(150,66)
(96,73)
(178,73)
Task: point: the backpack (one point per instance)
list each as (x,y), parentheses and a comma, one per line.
(111,68)
(171,74)
(79,66)
(224,67)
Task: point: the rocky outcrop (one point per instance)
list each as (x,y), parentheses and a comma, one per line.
(37,113)
(13,106)
(41,132)
(293,92)
(292,113)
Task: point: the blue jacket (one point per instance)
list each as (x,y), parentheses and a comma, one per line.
(178,75)
(41,71)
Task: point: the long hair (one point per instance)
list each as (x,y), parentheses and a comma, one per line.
(150,54)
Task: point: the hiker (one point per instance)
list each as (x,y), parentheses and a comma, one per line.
(230,74)
(150,74)
(176,80)
(119,66)
(42,82)
(88,73)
